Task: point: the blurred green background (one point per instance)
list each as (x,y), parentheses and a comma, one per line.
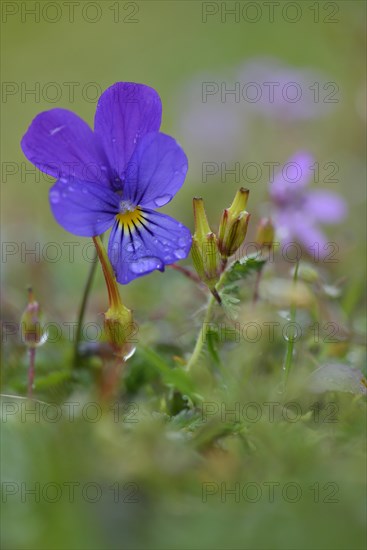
(169,47)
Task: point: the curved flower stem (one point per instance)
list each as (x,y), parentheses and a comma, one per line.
(287,365)
(83,305)
(109,275)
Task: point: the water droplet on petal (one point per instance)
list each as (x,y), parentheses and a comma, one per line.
(130,247)
(56,130)
(180,253)
(113,140)
(84,190)
(146,264)
(54,196)
(71,188)
(182,241)
(64,194)
(161,201)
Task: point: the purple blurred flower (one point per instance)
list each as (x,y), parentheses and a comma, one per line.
(285,92)
(297,211)
(214,131)
(115,177)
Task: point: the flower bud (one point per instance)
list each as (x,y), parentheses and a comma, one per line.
(265,233)
(233,225)
(119,326)
(204,250)
(31,323)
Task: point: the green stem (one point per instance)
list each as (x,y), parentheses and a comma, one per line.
(201,337)
(83,306)
(287,365)
(213,299)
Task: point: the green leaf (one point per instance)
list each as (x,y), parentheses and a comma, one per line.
(175,377)
(236,272)
(230,302)
(240,269)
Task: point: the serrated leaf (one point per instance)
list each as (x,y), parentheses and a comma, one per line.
(230,303)
(240,269)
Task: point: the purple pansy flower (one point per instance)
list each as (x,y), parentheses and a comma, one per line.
(115,177)
(297,211)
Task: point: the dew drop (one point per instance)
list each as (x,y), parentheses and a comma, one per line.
(71,188)
(160,201)
(64,194)
(56,130)
(84,190)
(180,253)
(54,196)
(146,264)
(130,246)
(128,352)
(182,241)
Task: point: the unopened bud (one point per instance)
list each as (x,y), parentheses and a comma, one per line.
(265,233)
(119,326)
(32,322)
(204,250)
(233,225)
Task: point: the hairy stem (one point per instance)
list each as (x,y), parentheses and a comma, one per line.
(213,299)
(189,274)
(202,334)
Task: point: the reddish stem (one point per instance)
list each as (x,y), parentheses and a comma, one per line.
(256,289)
(111,373)
(186,272)
(31,370)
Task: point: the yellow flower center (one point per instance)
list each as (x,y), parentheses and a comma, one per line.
(130,216)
